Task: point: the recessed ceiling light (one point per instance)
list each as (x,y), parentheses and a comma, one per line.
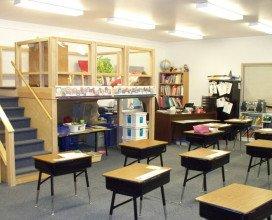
(131,23)
(47,6)
(261,27)
(218,11)
(186,34)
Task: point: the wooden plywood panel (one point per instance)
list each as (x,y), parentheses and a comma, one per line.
(185,81)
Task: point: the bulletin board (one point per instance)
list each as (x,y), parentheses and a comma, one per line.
(257,82)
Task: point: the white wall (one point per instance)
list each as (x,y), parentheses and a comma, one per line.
(218,56)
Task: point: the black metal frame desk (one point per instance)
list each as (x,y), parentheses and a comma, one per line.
(203,160)
(236,202)
(143,149)
(264,133)
(135,181)
(203,140)
(54,165)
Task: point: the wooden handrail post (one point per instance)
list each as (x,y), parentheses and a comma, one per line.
(31,90)
(9,143)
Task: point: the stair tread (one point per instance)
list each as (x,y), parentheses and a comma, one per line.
(30,141)
(31,154)
(18,118)
(24,170)
(8,97)
(12,107)
(21,130)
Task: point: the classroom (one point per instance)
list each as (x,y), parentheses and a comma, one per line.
(139,109)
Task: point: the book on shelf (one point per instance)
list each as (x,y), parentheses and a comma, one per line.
(174,90)
(171,79)
(168,102)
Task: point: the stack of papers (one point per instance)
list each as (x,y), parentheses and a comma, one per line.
(71,155)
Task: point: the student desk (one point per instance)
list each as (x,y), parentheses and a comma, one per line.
(88,131)
(203,160)
(236,202)
(204,140)
(54,165)
(240,126)
(135,181)
(143,149)
(263,133)
(260,149)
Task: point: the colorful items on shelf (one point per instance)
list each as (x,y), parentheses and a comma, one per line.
(105,91)
(171,79)
(168,102)
(169,90)
(135,126)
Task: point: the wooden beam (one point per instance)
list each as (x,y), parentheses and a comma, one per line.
(3,153)
(9,143)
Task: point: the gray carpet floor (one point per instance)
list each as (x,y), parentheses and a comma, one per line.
(18,202)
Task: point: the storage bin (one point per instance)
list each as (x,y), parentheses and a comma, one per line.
(135,119)
(96,156)
(135,133)
(76,127)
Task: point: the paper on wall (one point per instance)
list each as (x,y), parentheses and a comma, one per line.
(228,87)
(213,88)
(221,87)
(220,102)
(227,107)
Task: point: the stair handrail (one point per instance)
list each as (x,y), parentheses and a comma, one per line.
(7,153)
(31,90)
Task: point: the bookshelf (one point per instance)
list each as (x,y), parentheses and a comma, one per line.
(173,89)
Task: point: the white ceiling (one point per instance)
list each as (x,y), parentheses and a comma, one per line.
(166,14)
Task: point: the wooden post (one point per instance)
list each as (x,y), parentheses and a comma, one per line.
(185,82)
(52,62)
(18,63)
(11,177)
(1,69)
(92,62)
(126,65)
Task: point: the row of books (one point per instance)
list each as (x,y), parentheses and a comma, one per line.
(171,90)
(168,102)
(171,79)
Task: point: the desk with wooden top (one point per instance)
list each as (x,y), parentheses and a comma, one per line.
(263,133)
(55,165)
(203,139)
(164,130)
(236,202)
(240,126)
(259,149)
(135,181)
(89,131)
(143,149)
(203,160)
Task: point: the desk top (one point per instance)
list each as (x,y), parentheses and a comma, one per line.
(137,173)
(194,121)
(238,121)
(143,144)
(86,131)
(237,197)
(260,143)
(204,154)
(218,125)
(264,131)
(192,132)
(57,158)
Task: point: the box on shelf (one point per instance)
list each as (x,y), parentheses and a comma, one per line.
(135,133)
(134,118)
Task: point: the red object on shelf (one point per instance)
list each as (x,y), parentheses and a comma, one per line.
(83,65)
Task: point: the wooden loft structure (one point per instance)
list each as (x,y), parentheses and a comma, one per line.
(45,66)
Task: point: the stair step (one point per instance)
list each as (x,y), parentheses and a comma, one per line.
(12,112)
(26,160)
(21,134)
(28,146)
(18,122)
(6,101)
(25,170)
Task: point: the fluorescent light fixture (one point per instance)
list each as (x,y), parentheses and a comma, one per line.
(131,23)
(186,34)
(261,27)
(218,11)
(47,6)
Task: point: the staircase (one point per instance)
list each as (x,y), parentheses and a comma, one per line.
(26,144)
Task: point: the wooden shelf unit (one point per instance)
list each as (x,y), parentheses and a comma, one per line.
(4,50)
(171,81)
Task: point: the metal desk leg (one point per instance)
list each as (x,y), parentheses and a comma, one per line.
(38,188)
(268,172)
(259,170)
(141,205)
(75,184)
(163,201)
(223,176)
(135,208)
(248,169)
(184,184)
(52,195)
(138,160)
(106,147)
(88,185)
(125,162)
(112,202)
(96,141)
(190,145)
(218,146)
(269,218)
(147,160)
(161,160)
(205,182)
